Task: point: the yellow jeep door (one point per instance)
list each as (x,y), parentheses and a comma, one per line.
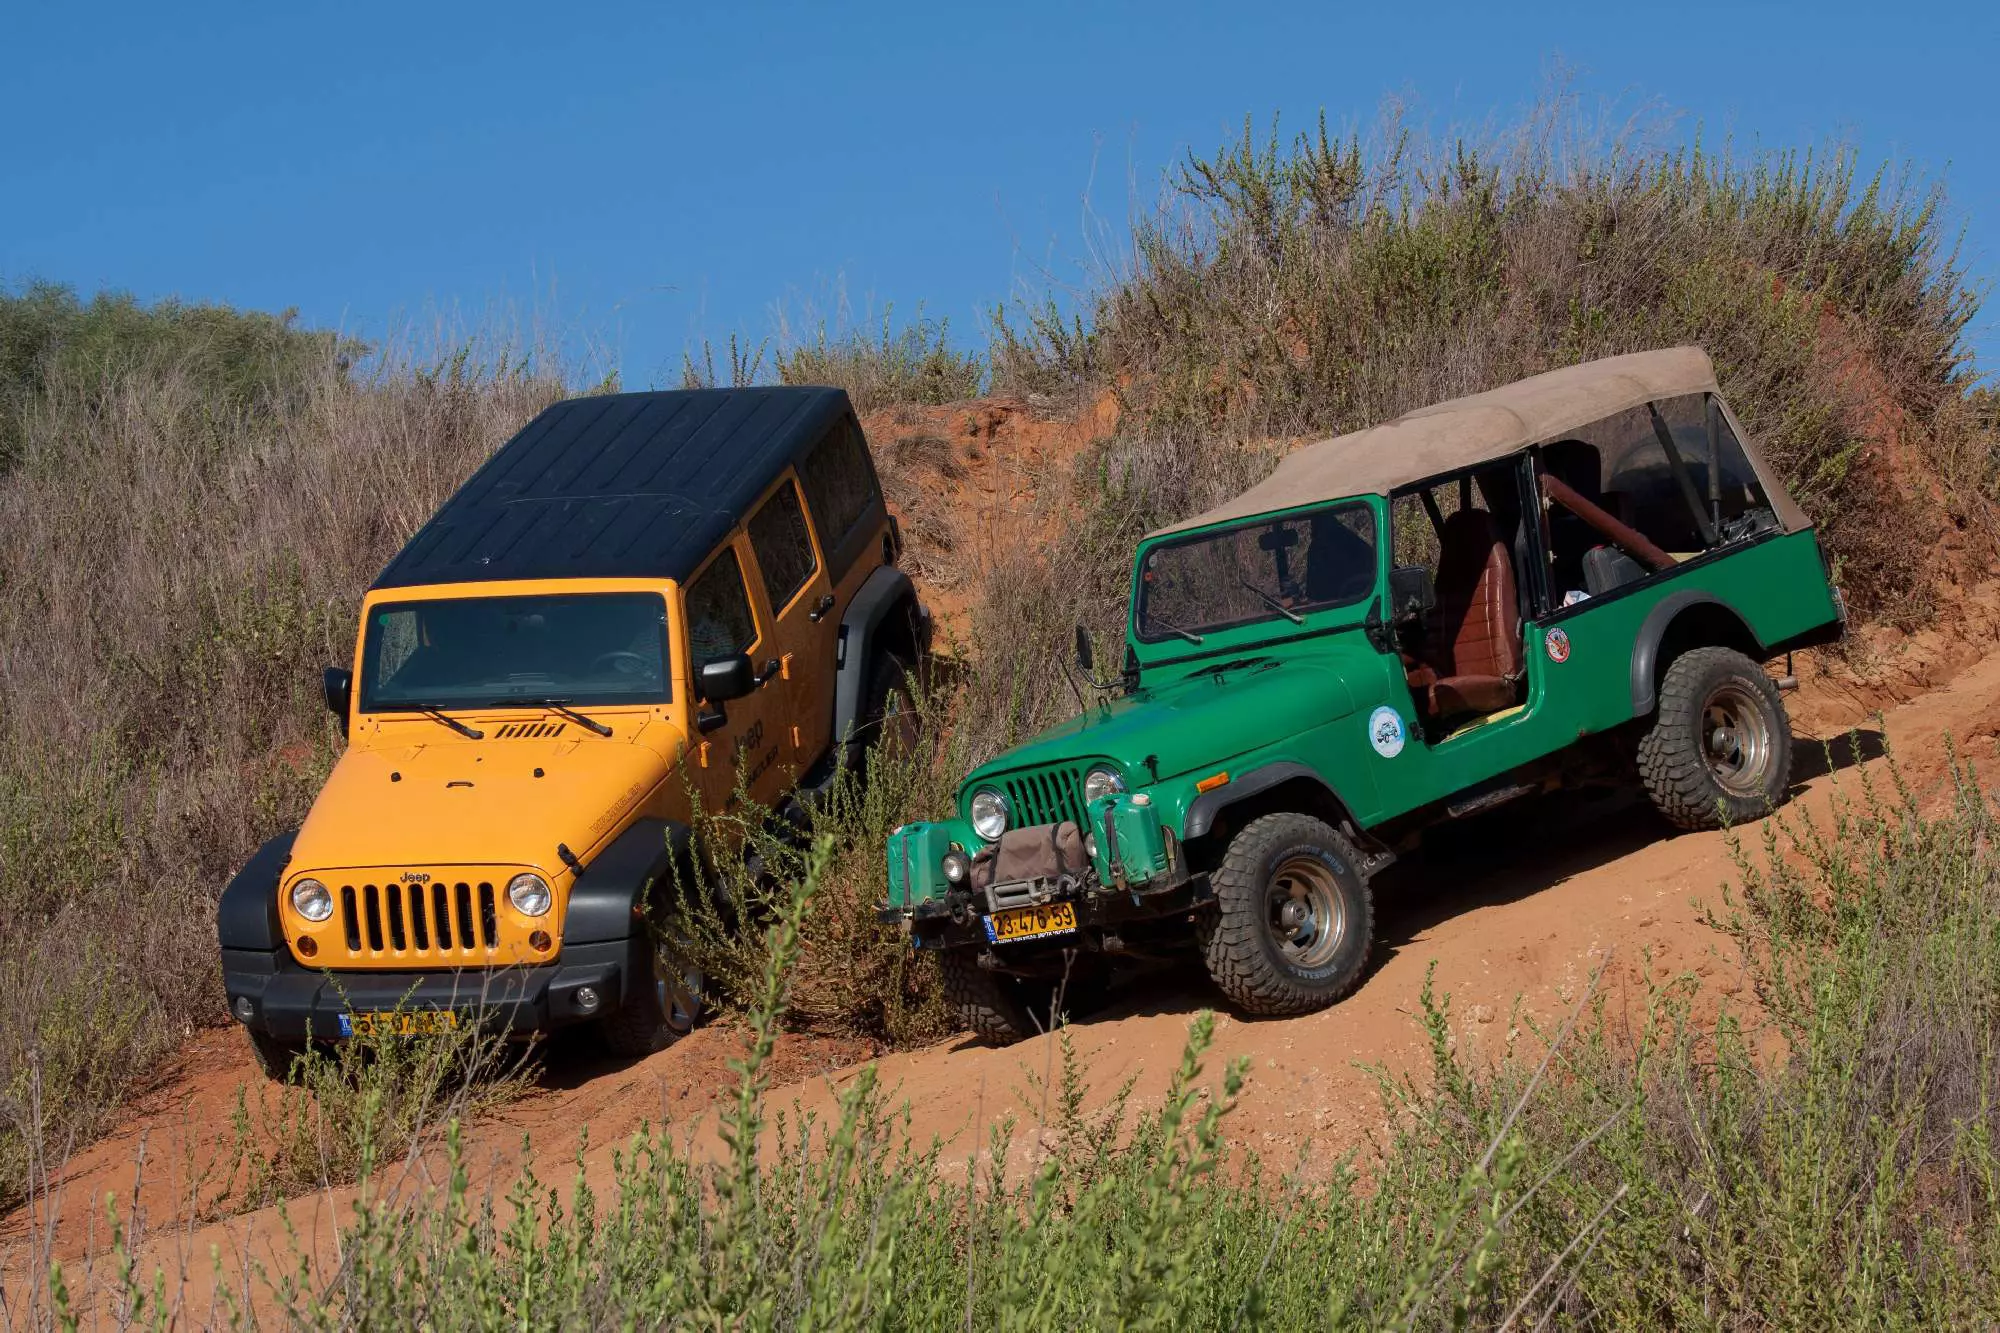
(748,746)
(804,631)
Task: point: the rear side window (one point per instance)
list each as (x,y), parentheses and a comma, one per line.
(842,490)
(718,611)
(784,548)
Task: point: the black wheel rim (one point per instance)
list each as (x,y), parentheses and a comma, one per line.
(1305,912)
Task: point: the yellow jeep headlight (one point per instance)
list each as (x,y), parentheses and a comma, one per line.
(530,894)
(311,900)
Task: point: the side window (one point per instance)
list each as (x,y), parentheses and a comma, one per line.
(1639,484)
(784,548)
(718,611)
(841,487)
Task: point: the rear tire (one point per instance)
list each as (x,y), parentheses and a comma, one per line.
(275,1055)
(1293,922)
(1721,746)
(891,723)
(657,1017)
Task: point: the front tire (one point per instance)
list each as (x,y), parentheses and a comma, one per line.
(1293,922)
(661,1014)
(1721,746)
(1001,1009)
(275,1055)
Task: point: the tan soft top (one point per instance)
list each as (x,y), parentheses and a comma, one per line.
(1483,427)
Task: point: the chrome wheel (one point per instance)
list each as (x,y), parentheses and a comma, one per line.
(1736,739)
(1307,916)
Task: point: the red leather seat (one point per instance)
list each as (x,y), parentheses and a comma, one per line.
(1471,659)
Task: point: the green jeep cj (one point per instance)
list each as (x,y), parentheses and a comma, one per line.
(1574,577)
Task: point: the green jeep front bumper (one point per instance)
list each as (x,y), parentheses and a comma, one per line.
(1135,873)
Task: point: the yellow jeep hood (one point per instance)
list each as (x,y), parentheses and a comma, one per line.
(467,803)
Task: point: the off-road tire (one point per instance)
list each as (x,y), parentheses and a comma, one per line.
(275,1055)
(1243,945)
(647,1024)
(992,1004)
(1683,765)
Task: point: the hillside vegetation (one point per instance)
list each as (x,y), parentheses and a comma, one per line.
(193,499)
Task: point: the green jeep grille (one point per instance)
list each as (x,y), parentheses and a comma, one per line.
(1047,797)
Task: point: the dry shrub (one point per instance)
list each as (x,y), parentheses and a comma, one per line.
(175,567)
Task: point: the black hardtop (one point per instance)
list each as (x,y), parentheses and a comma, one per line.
(622,485)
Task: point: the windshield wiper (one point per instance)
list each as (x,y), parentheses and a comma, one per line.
(1172,628)
(1273,602)
(556,706)
(439,715)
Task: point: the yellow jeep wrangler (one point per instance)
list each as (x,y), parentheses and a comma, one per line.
(639,601)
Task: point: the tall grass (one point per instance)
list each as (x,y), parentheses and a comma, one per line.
(175,566)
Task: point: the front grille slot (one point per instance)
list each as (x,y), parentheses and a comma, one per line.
(398,940)
(350,919)
(489,923)
(373,903)
(464,915)
(441,913)
(1047,797)
(419,928)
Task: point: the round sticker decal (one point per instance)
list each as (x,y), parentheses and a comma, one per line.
(1385,731)
(1557,643)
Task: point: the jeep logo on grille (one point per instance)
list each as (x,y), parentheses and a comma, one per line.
(415,877)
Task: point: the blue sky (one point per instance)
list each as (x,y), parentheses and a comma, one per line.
(651,175)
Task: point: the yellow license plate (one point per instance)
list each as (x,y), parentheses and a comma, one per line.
(1030,923)
(398,1023)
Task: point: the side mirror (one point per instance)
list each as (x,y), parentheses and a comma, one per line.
(726,678)
(1411,593)
(337,685)
(1086,656)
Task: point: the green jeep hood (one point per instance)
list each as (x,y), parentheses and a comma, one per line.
(1199,720)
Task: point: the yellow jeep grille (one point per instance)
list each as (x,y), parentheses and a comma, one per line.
(435,922)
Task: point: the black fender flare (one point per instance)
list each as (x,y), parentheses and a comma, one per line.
(1202,811)
(611,895)
(246,916)
(863,629)
(1652,630)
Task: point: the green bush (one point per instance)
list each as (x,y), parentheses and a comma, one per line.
(916,364)
(243,358)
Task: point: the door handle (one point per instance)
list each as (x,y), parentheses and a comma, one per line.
(820,609)
(771,669)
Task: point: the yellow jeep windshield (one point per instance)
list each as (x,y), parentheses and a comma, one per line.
(473,652)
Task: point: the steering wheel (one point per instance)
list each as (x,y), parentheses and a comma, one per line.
(623,662)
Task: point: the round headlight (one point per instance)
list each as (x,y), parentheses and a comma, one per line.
(955,866)
(529,894)
(1101,782)
(989,813)
(311,900)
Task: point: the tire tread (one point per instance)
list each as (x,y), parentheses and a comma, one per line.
(1230,935)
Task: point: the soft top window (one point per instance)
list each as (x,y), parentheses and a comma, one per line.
(1277,569)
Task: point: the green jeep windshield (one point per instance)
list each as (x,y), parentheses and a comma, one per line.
(1266,570)
(470,652)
